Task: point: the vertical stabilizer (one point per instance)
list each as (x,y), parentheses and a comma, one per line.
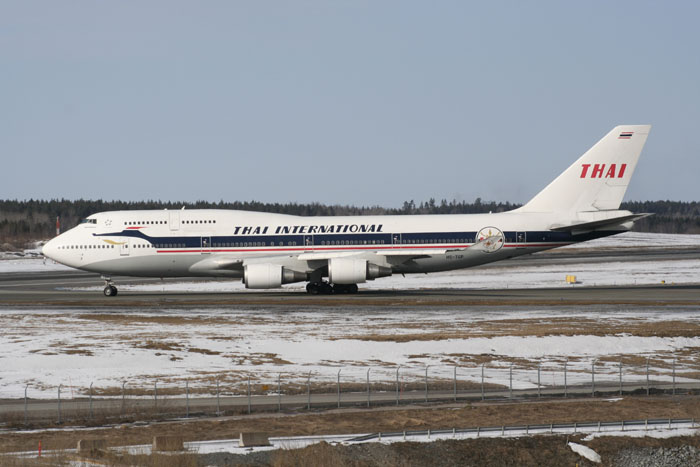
(597,181)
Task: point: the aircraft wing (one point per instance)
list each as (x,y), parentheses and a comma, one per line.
(343,254)
(218,266)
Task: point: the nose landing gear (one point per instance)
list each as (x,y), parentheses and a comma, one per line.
(110,290)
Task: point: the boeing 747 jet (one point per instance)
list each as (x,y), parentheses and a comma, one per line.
(269,250)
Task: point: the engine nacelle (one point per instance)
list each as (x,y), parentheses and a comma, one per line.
(269,276)
(354,271)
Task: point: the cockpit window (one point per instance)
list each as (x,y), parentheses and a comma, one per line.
(89,221)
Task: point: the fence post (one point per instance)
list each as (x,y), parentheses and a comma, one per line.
(368,369)
(482,381)
(510,384)
(674,377)
(566,388)
(620,377)
(455,383)
(59,403)
(218,404)
(123,396)
(248,394)
(25,404)
(308,391)
(397,384)
(279,392)
(339,370)
(593,378)
(90,400)
(155,395)
(426,382)
(539,387)
(187,399)
(647,376)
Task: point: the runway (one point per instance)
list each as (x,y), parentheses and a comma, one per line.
(41,290)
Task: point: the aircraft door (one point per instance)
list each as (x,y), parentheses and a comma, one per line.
(125,247)
(308,242)
(174,221)
(396,239)
(520,237)
(206,245)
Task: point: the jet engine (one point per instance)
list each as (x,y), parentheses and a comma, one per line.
(354,271)
(269,276)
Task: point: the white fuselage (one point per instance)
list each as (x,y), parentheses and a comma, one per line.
(172,243)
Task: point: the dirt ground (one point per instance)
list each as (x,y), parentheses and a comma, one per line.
(348,421)
(542,451)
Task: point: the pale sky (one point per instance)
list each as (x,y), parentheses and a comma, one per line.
(351,102)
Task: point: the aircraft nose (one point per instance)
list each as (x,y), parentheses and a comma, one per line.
(49,249)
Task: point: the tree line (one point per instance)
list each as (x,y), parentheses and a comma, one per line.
(31,220)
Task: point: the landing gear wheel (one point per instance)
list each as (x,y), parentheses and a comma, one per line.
(345,288)
(312,288)
(316,288)
(110,291)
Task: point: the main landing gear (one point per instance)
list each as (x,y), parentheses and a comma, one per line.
(324,288)
(110,290)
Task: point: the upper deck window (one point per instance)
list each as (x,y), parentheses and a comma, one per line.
(88,221)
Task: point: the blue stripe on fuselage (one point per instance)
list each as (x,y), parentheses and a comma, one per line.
(369,240)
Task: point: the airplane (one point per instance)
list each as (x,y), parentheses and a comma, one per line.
(267,250)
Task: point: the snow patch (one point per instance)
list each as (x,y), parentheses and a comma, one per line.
(653,433)
(585,451)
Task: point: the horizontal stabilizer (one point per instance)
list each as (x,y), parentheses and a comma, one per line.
(593,225)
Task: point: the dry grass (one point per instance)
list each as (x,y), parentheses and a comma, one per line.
(203,351)
(108,458)
(531,327)
(266,358)
(544,451)
(159,345)
(139,319)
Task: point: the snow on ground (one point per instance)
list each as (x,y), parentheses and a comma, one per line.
(650,433)
(76,347)
(31,265)
(641,240)
(585,451)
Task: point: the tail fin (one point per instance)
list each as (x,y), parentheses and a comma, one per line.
(597,181)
